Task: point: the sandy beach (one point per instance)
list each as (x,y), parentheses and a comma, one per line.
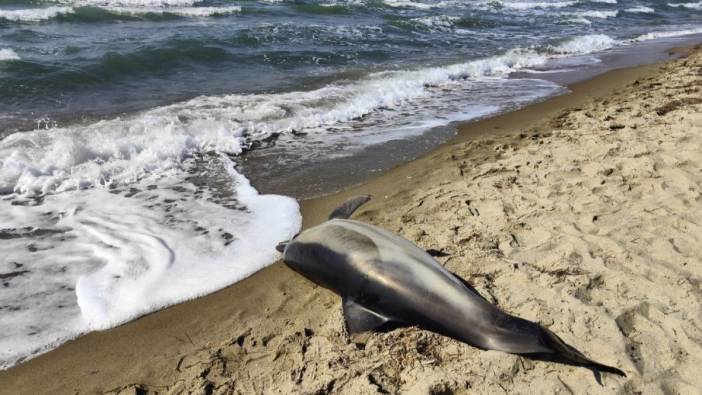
(583,213)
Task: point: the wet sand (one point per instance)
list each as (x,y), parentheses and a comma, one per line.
(582,212)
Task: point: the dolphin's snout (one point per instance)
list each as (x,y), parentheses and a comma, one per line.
(281,246)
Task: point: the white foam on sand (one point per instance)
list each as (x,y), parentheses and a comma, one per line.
(7,54)
(108,258)
(95,257)
(104,222)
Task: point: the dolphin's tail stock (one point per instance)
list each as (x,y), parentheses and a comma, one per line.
(562,349)
(519,336)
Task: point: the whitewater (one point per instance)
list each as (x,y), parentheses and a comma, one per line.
(124,125)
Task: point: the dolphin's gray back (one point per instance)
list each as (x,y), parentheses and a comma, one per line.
(394,278)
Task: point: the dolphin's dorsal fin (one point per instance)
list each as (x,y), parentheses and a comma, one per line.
(359,319)
(348,207)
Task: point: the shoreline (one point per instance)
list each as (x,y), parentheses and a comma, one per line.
(164,341)
(322,177)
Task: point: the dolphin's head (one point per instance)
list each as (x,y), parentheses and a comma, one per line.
(315,261)
(327,254)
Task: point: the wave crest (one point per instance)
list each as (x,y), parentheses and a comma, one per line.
(34,14)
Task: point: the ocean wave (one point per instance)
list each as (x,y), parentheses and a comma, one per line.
(34,14)
(523,5)
(640,10)
(597,14)
(604,1)
(692,6)
(132,3)
(584,45)
(115,66)
(154,59)
(322,8)
(7,54)
(94,13)
(437,23)
(179,11)
(227,123)
(667,34)
(585,17)
(419,5)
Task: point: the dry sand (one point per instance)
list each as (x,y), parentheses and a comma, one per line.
(583,213)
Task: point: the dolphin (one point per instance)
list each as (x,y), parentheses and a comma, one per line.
(384,279)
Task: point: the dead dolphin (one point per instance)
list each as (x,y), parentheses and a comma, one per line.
(385,279)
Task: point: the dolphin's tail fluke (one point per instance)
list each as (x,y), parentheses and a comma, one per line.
(562,349)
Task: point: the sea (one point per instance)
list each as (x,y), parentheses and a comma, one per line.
(152,151)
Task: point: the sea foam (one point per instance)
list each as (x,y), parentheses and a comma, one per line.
(521,5)
(180,11)
(437,22)
(597,14)
(133,3)
(692,6)
(584,45)
(100,257)
(419,5)
(667,34)
(108,221)
(8,54)
(640,10)
(34,14)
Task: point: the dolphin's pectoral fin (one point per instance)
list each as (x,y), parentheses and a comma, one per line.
(348,207)
(359,319)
